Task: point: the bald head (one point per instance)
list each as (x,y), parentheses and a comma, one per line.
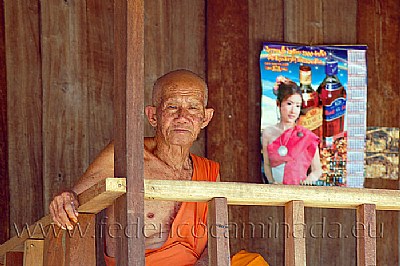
(174,78)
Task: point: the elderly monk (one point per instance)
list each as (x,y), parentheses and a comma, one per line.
(178,234)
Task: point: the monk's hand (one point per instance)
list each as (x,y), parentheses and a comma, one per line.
(64,209)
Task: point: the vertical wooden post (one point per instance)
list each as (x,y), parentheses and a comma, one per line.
(366,235)
(33,252)
(54,246)
(14,258)
(128,124)
(74,247)
(218,235)
(4,178)
(80,243)
(295,242)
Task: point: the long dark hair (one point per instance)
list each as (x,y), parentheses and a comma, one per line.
(285,88)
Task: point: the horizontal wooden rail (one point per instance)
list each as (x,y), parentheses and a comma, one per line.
(271,195)
(103,194)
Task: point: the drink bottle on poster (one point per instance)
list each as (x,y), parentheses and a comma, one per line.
(333,99)
(311,112)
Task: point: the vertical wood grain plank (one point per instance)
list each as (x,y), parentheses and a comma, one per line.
(176,30)
(218,235)
(100,46)
(33,252)
(339,18)
(227,65)
(80,248)
(54,246)
(24,110)
(303,21)
(365,233)
(4,177)
(262,28)
(100,70)
(65,108)
(128,123)
(295,243)
(378,26)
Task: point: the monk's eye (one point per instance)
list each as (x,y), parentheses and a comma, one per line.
(171,107)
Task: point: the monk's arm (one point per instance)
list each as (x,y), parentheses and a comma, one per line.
(63,207)
(101,168)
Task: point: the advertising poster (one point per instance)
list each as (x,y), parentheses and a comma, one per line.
(332,84)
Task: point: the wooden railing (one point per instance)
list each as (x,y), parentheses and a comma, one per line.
(35,249)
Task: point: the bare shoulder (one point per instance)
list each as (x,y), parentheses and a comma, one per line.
(270,133)
(149,146)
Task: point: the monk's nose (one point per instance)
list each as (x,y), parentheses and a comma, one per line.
(182,112)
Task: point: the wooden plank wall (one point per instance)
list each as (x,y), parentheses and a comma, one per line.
(375,23)
(379,27)
(59,93)
(4,182)
(60,78)
(24,110)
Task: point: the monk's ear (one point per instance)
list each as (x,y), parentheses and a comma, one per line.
(209,112)
(151,115)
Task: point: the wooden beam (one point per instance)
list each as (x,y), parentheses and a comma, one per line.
(295,241)
(218,236)
(128,122)
(271,195)
(101,195)
(365,232)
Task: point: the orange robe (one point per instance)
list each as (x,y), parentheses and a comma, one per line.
(188,236)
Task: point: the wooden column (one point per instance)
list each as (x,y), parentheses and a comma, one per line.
(73,247)
(128,124)
(295,241)
(218,235)
(4,181)
(227,65)
(365,232)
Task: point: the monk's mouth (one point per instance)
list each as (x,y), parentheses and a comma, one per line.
(181,130)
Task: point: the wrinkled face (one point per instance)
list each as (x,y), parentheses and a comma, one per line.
(181,114)
(290,108)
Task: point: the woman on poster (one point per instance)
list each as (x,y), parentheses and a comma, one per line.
(289,149)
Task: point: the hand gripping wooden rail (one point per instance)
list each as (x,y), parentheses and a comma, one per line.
(35,248)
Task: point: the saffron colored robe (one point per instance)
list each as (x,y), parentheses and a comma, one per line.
(188,235)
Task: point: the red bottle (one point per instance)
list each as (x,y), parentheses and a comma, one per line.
(333,99)
(311,112)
